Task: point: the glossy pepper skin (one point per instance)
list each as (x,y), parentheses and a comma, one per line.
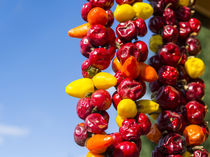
(200,153)
(119,76)
(168,75)
(172,143)
(84,107)
(80,134)
(99,58)
(170,54)
(195,91)
(194,135)
(142,46)
(130,130)
(116,99)
(194,67)
(193,46)
(124,12)
(101,99)
(143,10)
(168,97)
(98,35)
(131,68)
(86,46)
(127,108)
(195,112)
(127,31)
(126,149)
(99,143)
(95,123)
(141,27)
(131,89)
(127,50)
(85,85)
(144,123)
(117,138)
(104,80)
(170,121)
(116,65)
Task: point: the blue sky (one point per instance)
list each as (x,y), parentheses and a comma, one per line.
(37,61)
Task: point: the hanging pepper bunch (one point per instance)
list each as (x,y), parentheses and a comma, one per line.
(180,127)
(98,45)
(131,73)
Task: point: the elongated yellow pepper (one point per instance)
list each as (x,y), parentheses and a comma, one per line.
(104,80)
(80,88)
(147,106)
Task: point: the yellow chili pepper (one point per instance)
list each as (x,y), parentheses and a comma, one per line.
(155,42)
(186,154)
(80,88)
(124,12)
(127,108)
(143,10)
(104,80)
(184,2)
(119,120)
(195,67)
(147,106)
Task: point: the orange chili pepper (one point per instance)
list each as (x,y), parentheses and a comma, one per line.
(131,68)
(194,135)
(147,73)
(80,31)
(99,143)
(154,134)
(97,15)
(116,65)
(89,154)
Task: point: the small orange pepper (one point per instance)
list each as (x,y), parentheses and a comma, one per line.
(99,143)
(194,135)
(131,68)
(116,65)
(147,73)
(154,134)
(97,15)
(80,31)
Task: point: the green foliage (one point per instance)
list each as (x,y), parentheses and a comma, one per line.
(204,37)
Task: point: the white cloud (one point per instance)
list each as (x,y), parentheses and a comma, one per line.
(13,130)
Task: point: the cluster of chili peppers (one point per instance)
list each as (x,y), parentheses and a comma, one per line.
(97,45)
(179,90)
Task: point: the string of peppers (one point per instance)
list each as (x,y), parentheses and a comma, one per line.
(99,44)
(179,90)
